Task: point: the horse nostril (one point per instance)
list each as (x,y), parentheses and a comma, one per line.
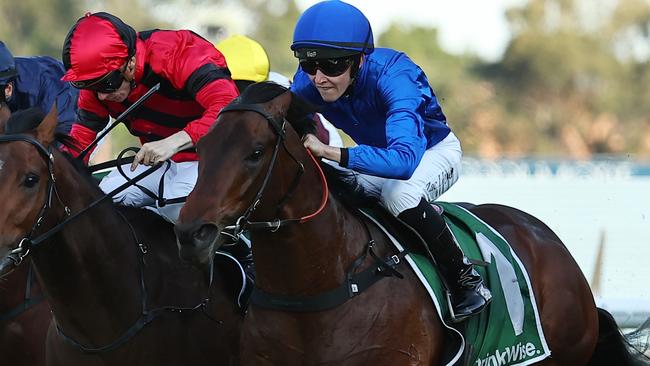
(204,235)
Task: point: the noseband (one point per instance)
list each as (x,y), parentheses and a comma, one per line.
(278,127)
(22,250)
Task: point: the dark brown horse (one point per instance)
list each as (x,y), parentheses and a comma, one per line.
(118,291)
(24,316)
(251,176)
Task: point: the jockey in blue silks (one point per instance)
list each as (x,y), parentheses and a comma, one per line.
(36,82)
(406,155)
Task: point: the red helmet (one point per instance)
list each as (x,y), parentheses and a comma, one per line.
(96,45)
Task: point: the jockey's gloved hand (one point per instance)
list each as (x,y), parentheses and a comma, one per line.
(155,152)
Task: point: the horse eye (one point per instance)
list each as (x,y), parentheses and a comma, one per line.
(30,180)
(256,155)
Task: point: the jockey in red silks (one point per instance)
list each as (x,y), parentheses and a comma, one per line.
(407,155)
(114,66)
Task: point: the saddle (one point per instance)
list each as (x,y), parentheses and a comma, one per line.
(508,332)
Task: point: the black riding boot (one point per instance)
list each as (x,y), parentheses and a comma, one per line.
(243,253)
(468,293)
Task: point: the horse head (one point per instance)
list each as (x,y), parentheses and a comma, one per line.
(26,176)
(247,163)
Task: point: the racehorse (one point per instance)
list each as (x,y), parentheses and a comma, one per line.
(255,174)
(119,294)
(24,316)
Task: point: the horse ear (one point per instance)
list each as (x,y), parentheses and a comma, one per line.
(45,130)
(279,105)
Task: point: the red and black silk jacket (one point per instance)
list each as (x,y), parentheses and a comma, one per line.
(195,85)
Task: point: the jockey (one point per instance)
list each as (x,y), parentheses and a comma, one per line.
(35,82)
(249,63)
(407,155)
(114,66)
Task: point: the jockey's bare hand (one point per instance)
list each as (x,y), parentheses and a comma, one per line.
(155,152)
(320,149)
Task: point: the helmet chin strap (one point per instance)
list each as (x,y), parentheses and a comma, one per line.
(354,71)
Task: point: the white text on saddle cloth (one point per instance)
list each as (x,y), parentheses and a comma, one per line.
(508,279)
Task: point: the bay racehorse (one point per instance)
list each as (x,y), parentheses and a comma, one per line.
(255,174)
(119,294)
(24,316)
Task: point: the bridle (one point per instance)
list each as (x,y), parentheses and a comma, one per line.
(355,282)
(278,126)
(27,243)
(23,248)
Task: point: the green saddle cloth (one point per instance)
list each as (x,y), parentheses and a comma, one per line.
(508,332)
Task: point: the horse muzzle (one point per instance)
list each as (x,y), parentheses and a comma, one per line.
(196,241)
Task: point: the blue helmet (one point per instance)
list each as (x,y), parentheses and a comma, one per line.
(7,65)
(332,28)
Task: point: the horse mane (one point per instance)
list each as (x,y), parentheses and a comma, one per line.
(343,185)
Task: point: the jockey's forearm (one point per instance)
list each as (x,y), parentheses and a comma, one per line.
(181,140)
(331,153)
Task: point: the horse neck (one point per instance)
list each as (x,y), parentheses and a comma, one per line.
(89,270)
(294,258)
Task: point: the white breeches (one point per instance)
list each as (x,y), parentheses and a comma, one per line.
(438,170)
(179,181)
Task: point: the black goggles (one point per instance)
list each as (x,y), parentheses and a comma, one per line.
(328,66)
(108,83)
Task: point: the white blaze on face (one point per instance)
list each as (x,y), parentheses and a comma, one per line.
(1,164)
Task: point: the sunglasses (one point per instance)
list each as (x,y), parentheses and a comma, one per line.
(328,66)
(108,83)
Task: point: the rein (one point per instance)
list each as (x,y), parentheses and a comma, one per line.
(118,120)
